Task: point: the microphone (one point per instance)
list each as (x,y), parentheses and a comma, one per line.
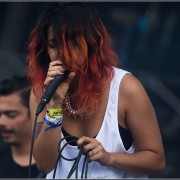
(50,90)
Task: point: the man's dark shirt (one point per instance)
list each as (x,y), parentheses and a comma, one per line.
(10,169)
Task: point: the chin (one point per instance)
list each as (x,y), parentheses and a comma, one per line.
(10,141)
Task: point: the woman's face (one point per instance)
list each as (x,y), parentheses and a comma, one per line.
(53,51)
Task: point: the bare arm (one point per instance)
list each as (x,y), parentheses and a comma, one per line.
(45,149)
(141,120)
(46,144)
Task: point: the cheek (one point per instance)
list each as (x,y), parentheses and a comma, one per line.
(16,125)
(22,130)
(22,124)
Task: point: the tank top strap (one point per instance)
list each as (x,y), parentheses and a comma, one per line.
(115,83)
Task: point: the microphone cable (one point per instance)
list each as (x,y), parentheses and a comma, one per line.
(75,159)
(31,148)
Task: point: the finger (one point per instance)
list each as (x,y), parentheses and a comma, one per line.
(95,157)
(90,146)
(98,154)
(54,73)
(56,62)
(48,80)
(54,68)
(85,139)
(95,150)
(51,75)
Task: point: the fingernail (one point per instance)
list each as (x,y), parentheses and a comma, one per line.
(62,71)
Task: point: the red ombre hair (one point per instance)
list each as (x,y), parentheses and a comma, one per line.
(83,45)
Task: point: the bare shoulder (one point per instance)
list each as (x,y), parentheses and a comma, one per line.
(135,101)
(131,86)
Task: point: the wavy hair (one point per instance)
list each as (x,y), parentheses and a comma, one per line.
(76,26)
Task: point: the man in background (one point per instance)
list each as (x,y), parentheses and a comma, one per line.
(15,126)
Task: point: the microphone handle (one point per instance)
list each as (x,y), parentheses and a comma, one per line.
(50,90)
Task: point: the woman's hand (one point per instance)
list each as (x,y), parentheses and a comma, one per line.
(95,150)
(56,68)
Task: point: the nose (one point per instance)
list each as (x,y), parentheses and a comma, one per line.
(3,120)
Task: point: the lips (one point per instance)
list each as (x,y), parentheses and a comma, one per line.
(6,133)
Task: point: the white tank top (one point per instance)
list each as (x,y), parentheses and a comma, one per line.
(110,138)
